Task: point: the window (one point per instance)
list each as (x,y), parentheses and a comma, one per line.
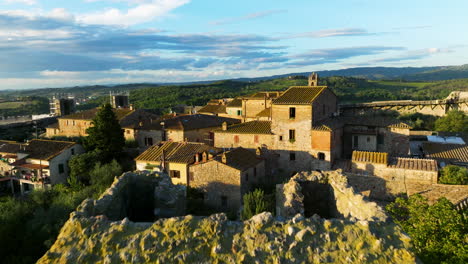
(223,201)
(246,177)
(239,112)
(356,142)
(255,139)
(292,135)
(380,139)
(174,174)
(236,139)
(128,131)
(321,156)
(61,168)
(73,151)
(292,156)
(280,138)
(148,141)
(292,112)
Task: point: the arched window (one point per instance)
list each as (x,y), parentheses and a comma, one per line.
(321,156)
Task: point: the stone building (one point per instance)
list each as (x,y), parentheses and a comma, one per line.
(225,178)
(301,125)
(215,107)
(193,128)
(139,125)
(38,163)
(175,158)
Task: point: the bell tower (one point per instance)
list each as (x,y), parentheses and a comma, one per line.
(313,79)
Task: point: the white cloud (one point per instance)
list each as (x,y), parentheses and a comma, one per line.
(26,2)
(143,12)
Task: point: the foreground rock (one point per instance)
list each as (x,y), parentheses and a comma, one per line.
(89,236)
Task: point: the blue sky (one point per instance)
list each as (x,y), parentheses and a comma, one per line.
(56,43)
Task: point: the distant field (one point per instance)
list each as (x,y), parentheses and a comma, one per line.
(11,105)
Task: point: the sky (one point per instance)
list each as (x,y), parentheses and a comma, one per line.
(57,43)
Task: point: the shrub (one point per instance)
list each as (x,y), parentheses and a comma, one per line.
(254,203)
(454,175)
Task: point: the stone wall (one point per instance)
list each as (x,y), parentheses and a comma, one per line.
(226,140)
(251,107)
(361,235)
(341,200)
(398,174)
(137,196)
(324,106)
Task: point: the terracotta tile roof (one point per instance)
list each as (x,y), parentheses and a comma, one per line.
(177,152)
(240,158)
(265,112)
(45,149)
(298,95)
(90,114)
(253,127)
(451,153)
(197,121)
(237,102)
(413,164)
(262,95)
(11,147)
(328,124)
(139,118)
(370,157)
(214,109)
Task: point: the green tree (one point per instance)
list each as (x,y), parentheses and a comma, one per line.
(105,135)
(454,175)
(103,175)
(81,165)
(454,121)
(438,231)
(254,203)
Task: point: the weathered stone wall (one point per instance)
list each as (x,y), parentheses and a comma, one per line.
(302,124)
(251,107)
(342,201)
(398,174)
(324,106)
(137,190)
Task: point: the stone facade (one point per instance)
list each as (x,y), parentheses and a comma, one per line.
(218,180)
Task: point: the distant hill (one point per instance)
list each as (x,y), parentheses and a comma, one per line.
(438,73)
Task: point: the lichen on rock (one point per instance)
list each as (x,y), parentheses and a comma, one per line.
(90,237)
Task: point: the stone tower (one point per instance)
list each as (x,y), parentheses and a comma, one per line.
(313,79)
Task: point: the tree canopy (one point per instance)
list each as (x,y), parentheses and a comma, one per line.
(105,134)
(438,231)
(454,121)
(454,175)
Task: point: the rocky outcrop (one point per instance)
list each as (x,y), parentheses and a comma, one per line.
(88,237)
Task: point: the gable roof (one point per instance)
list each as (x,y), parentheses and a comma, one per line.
(139,118)
(370,157)
(197,121)
(11,147)
(452,153)
(237,102)
(177,152)
(263,95)
(240,158)
(252,127)
(300,95)
(214,109)
(45,149)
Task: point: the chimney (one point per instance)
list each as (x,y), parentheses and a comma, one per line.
(204,157)
(140,123)
(224,158)
(258,152)
(131,107)
(224,126)
(197,157)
